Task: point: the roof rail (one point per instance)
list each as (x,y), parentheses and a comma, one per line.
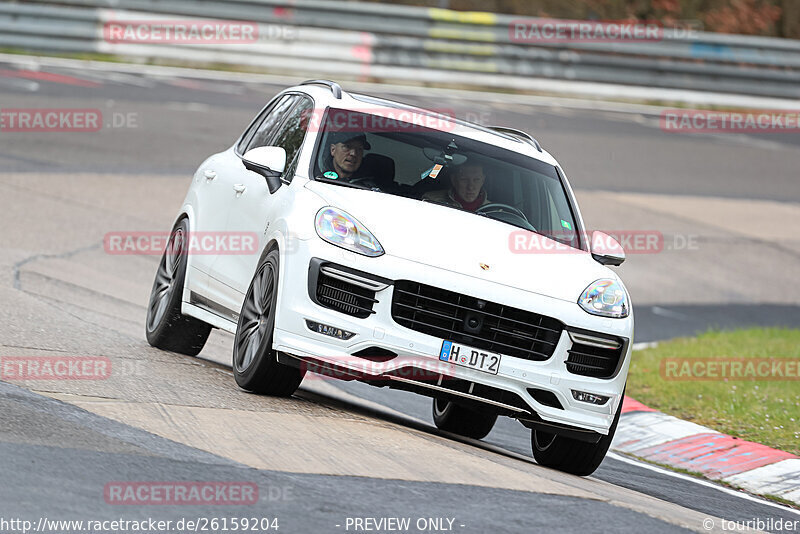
(335,88)
(519,134)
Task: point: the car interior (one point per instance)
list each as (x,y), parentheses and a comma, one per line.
(399,163)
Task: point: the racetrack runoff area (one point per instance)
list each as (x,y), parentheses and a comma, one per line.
(723,255)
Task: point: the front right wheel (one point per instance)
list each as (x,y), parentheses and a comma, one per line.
(571,455)
(166,327)
(255,363)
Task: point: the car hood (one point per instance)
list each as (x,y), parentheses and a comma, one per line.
(465,243)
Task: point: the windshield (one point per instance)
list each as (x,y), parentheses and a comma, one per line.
(433,165)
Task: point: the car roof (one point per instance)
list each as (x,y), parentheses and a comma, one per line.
(325,92)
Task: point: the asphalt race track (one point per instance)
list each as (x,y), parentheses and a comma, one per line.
(727,207)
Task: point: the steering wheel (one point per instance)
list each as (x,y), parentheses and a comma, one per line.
(499,207)
(365,181)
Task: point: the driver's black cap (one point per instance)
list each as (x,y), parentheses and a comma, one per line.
(344,137)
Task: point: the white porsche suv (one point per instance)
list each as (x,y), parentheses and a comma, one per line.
(404,248)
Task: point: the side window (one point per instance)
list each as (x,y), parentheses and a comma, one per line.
(291,133)
(266,129)
(251,130)
(561,224)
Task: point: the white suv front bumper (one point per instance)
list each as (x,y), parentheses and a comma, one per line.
(421,351)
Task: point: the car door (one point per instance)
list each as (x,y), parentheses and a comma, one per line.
(254,208)
(220,179)
(208,206)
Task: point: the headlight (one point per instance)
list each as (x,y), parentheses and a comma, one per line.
(343,230)
(607,298)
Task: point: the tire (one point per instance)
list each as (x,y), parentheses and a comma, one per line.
(457,419)
(166,328)
(570,455)
(255,364)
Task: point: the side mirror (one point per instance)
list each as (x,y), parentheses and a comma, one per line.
(269,162)
(606,250)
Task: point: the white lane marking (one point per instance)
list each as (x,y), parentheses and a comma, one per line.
(698,97)
(215,87)
(188,106)
(781,479)
(16,83)
(331,390)
(705,483)
(670,314)
(120,78)
(639,113)
(644,345)
(654,122)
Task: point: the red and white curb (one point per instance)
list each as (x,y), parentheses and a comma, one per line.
(664,439)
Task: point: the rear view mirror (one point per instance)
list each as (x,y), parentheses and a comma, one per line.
(606,250)
(443,158)
(269,162)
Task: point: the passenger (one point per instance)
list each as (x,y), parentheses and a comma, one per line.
(466,191)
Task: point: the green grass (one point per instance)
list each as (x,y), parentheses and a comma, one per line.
(763,411)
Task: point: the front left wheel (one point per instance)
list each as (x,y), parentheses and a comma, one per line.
(571,455)
(166,327)
(461,420)
(255,363)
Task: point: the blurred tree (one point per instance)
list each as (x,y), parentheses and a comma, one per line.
(743,16)
(758,17)
(790,20)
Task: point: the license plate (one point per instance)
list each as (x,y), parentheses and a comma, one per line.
(465,356)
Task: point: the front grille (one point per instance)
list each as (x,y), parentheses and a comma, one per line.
(596,362)
(475,322)
(344,297)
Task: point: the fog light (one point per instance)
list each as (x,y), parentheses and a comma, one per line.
(328,330)
(591,398)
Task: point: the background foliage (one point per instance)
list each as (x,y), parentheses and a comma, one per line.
(754,17)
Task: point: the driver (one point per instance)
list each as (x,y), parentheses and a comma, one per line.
(346,154)
(466,191)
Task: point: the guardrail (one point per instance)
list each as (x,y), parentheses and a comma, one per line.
(389,42)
